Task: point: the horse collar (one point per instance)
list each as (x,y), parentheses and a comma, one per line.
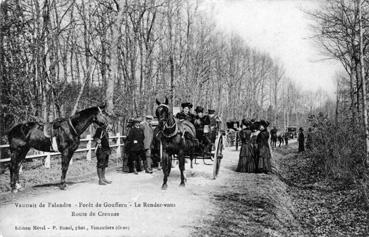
(171,134)
(73,128)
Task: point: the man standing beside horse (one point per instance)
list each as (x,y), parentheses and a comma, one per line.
(102,153)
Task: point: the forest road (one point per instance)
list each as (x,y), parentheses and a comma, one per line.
(134,205)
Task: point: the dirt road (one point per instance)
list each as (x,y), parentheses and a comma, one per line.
(134,205)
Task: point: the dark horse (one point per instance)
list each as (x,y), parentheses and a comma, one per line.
(35,135)
(176,138)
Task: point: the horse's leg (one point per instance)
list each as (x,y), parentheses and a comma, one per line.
(181,159)
(166,169)
(66,156)
(17,157)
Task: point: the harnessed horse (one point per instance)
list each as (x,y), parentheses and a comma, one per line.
(176,138)
(66,131)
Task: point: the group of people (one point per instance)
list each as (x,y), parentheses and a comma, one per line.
(141,146)
(255,154)
(138,145)
(206,125)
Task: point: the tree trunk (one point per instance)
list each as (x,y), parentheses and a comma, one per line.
(363,86)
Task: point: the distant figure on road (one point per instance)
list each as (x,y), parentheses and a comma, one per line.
(309,139)
(246,162)
(301,140)
(273,137)
(264,153)
(286,137)
(102,153)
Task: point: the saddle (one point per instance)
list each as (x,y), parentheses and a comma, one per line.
(51,130)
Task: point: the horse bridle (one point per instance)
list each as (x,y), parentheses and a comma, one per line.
(165,126)
(101,112)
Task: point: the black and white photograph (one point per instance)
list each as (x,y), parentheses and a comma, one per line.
(184,118)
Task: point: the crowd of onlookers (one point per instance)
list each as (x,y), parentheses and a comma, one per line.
(255,153)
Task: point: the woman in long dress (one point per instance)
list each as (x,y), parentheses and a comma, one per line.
(246,162)
(264,154)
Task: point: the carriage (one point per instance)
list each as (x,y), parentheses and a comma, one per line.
(216,153)
(178,137)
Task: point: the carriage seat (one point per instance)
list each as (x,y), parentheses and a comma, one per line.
(185,126)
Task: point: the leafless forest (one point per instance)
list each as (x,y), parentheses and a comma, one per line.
(61,56)
(57,57)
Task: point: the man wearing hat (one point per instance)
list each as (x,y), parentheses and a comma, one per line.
(135,145)
(186,114)
(149,133)
(102,153)
(202,123)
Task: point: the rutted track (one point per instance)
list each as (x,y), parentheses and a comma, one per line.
(236,204)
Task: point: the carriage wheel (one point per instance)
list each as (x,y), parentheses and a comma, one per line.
(218,155)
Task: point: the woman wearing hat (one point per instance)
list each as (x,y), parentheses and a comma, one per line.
(301,140)
(202,123)
(264,154)
(246,162)
(186,112)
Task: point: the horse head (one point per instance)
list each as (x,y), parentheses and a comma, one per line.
(102,117)
(162,111)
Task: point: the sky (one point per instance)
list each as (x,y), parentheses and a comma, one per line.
(282,29)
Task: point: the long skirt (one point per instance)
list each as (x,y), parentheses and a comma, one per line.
(246,162)
(264,159)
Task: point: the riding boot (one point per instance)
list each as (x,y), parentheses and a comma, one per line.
(135,167)
(99,174)
(103,177)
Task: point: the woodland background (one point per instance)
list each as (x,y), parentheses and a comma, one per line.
(57,57)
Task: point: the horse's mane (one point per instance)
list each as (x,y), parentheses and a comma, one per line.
(86,112)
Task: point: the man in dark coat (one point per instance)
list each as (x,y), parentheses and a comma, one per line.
(273,136)
(186,112)
(135,145)
(301,140)
(286,137)
(202,123)
(102,153)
